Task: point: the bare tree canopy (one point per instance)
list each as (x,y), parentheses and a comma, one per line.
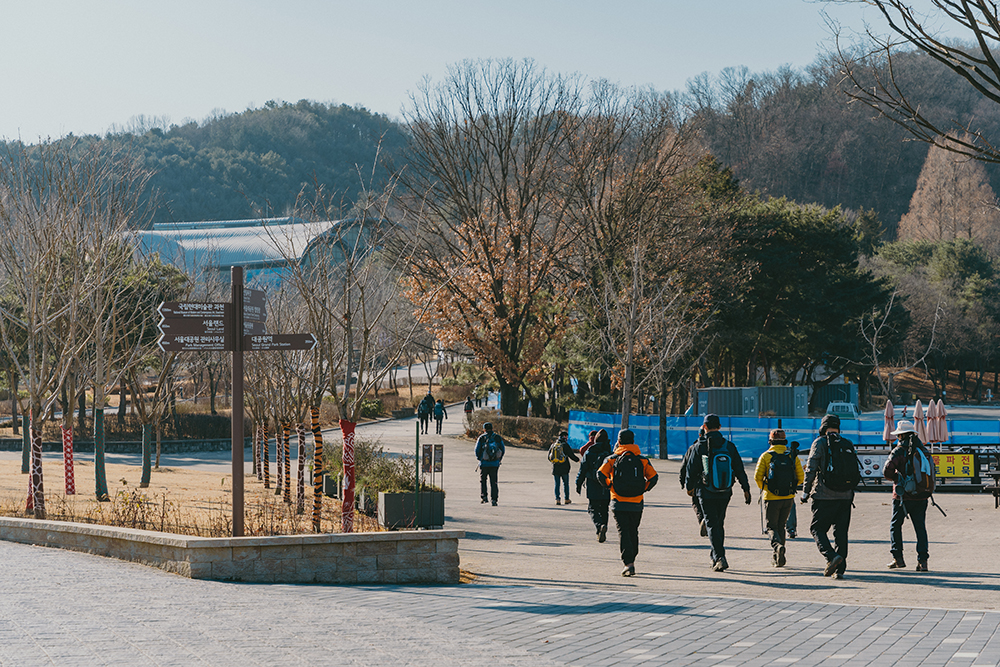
(961,36)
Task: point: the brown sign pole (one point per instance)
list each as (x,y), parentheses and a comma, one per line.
(236,273)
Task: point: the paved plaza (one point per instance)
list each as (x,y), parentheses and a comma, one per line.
(544,592)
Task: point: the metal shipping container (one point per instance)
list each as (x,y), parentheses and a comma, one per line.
(785,401)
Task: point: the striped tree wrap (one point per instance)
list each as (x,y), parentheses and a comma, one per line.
(266,456)
(279,458)
(300,490)
(286,472)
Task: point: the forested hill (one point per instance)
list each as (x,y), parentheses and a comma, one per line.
(256,162)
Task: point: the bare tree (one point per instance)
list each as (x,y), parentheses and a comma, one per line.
(967,54)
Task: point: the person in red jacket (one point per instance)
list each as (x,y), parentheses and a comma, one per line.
(628,474)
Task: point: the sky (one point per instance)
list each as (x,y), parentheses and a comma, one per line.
(68,66)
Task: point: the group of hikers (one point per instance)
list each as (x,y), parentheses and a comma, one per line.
(617,480)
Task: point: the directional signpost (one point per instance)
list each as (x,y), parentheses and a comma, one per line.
(191,326)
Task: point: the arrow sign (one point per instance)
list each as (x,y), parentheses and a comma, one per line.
(195,309)
(272,342)
(188,326)
(192,343)
(254,308)
(253,328)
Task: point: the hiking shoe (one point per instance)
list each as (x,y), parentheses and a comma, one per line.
(791,534)
(720,565)
(779,556)
(494,503)
(568,502)
(898,564)
(921,566)
(628,570)
(483,500)
(838,575)
(558,502)
(704,528)
(774,558)
(832,565)
(602,534)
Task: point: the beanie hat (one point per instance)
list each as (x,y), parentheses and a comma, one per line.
(602,437)
(828,422)
(626,437)
(487,426)
(777,435)
(712,421)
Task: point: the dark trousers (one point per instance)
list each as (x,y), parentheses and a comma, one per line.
(597,508)
(917,511)
(792,525)
(697,508)
(776,512)
(835,514)
(564,477)
(490,473)
(425,421)
(714,510)
(439,421)
(628,534)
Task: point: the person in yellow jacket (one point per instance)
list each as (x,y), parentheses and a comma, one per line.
(778,474)
(628,474)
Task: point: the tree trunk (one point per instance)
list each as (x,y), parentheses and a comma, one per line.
(100,476)
(122,401)
(147,447)
(81,412)
(509,397)
(13,384)
(347,502)
(664,390)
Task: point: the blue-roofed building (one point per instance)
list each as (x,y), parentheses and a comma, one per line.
(264,247)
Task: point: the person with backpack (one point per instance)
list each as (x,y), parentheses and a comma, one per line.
(489,450)
(598,496)
(778,473)
(424,409)
(559,455)
(628,475)
(469,407)
(832,473)
(910,468)
(440,414)
(692,452)
(710,475)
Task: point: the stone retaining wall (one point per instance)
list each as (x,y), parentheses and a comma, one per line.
(426,556)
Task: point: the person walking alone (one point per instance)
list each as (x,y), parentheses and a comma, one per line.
(598,496)
(560,454)
(489,451)
(710,475)
(910,468)
(778,473)
(832,473)
(629,475)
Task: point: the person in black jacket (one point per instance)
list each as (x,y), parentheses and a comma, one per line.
(560,464)
(715,502)
(598,496)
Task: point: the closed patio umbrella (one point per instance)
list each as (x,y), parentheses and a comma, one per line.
(918,421)
(890,422)
(932,429)
(942,416)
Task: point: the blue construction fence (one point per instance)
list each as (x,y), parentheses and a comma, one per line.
(750,434)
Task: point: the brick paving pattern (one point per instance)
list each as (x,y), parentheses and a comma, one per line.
(64,608)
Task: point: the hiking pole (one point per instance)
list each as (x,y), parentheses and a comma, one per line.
(937,506)
(760,501)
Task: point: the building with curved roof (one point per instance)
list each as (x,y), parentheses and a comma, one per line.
(264,247)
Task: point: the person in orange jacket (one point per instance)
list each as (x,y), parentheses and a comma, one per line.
(628,474)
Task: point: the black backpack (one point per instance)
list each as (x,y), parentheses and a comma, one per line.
(843,469)
(780,479)
(628,477)
(717,468)
(491,449)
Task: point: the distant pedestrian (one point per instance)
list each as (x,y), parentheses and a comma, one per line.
(469,407)
(489,451)
(628,474)
(692,451)
(778,473)
(598,496)
(560,454)
(710,475)
(424,410)
(440,414)
(832,473)
(910,468)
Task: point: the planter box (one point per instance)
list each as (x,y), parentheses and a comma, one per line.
(403,413)
(396,510)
